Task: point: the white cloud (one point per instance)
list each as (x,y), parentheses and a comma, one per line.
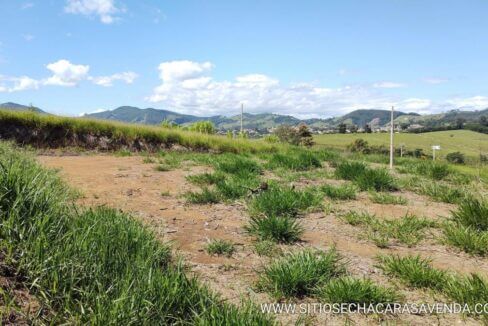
(388,84)
(65,73)
(28,37)
(473,103)
(435,81)
(188,87)
(104,9)
(26,5)
(107,81)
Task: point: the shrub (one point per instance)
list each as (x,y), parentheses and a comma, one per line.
(343,192)
(284,201)
(359,145)
(456,158)
(220,247)
(357,291)
(206,196)
(415,271)
(203,127)
(299,274)
(281,229)
(385,198)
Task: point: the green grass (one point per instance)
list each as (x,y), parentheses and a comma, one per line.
(342,192)
(357,291)
(419,273)
(205,196)
(300,274)
(432,170)
(220,247)
(408,230)
(236,164)
(205,178)
(441,192)
(386,199)
(295,160)
(364,177)
(267,248)
(414,271)
(54,131)
(468,229)
(96,266)
(284,201)
(281,229)
(464,141)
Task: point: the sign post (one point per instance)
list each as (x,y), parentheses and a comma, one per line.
(435,148)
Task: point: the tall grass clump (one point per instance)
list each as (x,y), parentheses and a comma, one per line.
(414,271)
(280,229)
(441,192)
(386,199)
(96,266)
(468,229)
(417,272)
(300,274)
(364,177)
(236,164)
(357,291)
(349,170)
(342,192)
(284,201)
(220,247)
(295,160)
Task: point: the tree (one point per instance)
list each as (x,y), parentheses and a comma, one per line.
(287,134)
(483,120)
(367,129)
(353,128)
(342,128)
(460,123)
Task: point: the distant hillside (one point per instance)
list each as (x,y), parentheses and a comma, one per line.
(19,107)
(375,117)
(146,116)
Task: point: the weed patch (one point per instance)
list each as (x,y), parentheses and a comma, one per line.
(220,247)
(281,229)
(386,199)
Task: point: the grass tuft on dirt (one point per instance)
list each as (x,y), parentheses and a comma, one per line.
(280,229)
(299,274)
(220,247)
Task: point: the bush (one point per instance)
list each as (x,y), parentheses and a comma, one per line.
(357,291)
(359,145)
(281,229)
(220,247)
(456,158)
(300,274)
(203,127)
(343,192)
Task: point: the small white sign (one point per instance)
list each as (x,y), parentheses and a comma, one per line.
(436,147)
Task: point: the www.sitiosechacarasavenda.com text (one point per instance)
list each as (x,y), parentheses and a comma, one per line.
(359,308)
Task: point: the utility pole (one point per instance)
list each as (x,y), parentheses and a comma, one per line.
(242,117)
(391,138)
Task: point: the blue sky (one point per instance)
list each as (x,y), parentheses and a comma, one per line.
(304,58)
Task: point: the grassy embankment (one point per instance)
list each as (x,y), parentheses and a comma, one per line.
(49,131)
(94,266)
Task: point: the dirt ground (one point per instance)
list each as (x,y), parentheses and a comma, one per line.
(130,185)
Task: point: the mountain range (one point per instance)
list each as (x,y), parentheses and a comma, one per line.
(264,121)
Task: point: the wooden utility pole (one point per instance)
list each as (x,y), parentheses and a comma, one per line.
(391,137)
(242,117)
